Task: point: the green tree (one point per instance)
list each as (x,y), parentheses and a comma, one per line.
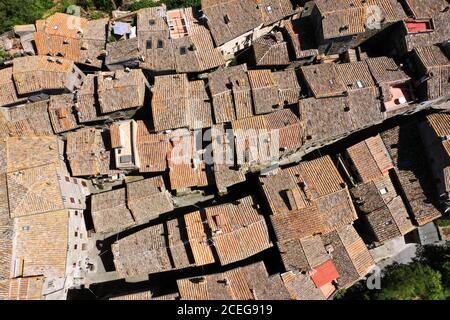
(415,281)
(143,4)
(411,282)
(13,12)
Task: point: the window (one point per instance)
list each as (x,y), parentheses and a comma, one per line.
(149,44)
(80,77)
(160,44)
(76,234)
(269,9)
(383,190)
(75,181)
(83,184)
(75,247)
(359,84)
(72,200)
(151,22)
(84,246)
(67,178)
(76,213)
(183,50)
(125,159)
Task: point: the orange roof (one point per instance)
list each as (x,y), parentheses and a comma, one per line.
(324,273)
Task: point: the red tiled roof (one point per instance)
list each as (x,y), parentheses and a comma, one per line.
(324,273)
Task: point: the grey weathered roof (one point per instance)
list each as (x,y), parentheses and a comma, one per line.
(433,62)
(230,90)
(300,38)
(426,8)
(109,211)
(350,255)
(188,47)
(386,213)
(332,117)
(154,249)
(180,103)
(342,18)
(404,146)
(251,282)
(119,90)
(242,16)
(270,50)
(148,198)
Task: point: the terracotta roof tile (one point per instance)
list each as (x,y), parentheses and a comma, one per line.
(34,190)
(370,158)
(120,90)
(186,168)
(251,282)
(324,274)
(40,73)
(8,93)
(238,231)
(301,287)
(88,153)
(31,119)
(324,80)
(41,243)
(61,113)
(152,148)
(28,288)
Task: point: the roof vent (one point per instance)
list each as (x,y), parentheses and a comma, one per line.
(59,61)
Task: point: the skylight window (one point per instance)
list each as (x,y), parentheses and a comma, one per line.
(269,9)
(383,190)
